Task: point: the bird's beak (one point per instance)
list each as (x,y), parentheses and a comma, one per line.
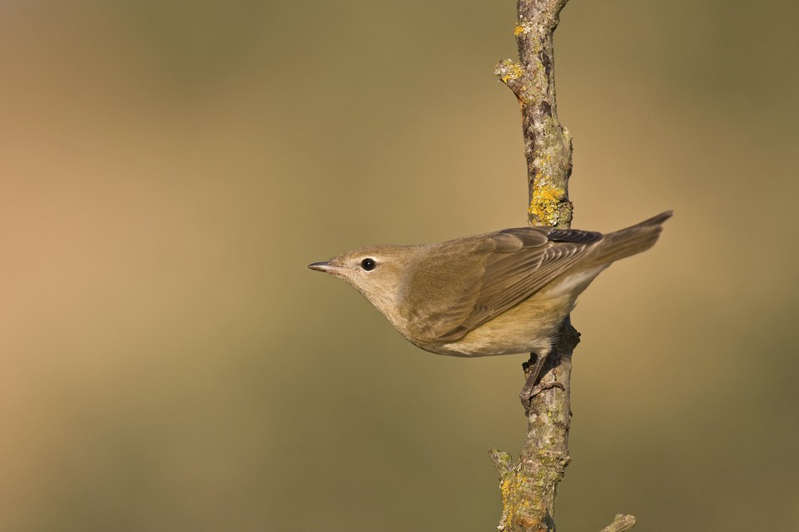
(323,266)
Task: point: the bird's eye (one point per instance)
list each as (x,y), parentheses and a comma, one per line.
(368,264)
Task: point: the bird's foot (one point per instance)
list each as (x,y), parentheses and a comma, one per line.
(532,370)
(530,390)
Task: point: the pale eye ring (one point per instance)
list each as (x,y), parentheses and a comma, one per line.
(368,264)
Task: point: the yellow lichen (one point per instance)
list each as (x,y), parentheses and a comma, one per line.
(545,205)
(513,71)
(518,30)
(504,487)
(517,506)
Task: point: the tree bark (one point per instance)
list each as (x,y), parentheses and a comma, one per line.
(529,485)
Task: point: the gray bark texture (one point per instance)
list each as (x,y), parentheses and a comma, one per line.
(529,485)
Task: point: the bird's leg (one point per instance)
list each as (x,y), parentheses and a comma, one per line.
(532,368)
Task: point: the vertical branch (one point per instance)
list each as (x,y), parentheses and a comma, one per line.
(529,485)
(547,144)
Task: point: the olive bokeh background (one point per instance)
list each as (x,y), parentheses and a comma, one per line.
(169,168)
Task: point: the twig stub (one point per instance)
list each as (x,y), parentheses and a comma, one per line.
(620,523)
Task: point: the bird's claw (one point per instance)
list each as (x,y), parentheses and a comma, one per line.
(528,392)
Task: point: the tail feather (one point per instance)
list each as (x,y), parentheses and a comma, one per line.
(630,241)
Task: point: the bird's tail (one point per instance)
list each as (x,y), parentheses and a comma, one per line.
(629,241)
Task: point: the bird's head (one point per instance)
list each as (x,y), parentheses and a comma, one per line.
(377,272)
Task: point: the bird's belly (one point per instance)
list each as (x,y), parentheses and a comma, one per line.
(530,326)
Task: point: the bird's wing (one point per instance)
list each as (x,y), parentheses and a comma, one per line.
(462,284)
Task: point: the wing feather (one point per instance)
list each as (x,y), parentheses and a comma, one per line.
(461,284)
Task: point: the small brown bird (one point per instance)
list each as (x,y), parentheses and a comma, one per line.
(492,294)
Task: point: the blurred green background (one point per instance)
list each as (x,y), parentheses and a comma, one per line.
(169,168)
